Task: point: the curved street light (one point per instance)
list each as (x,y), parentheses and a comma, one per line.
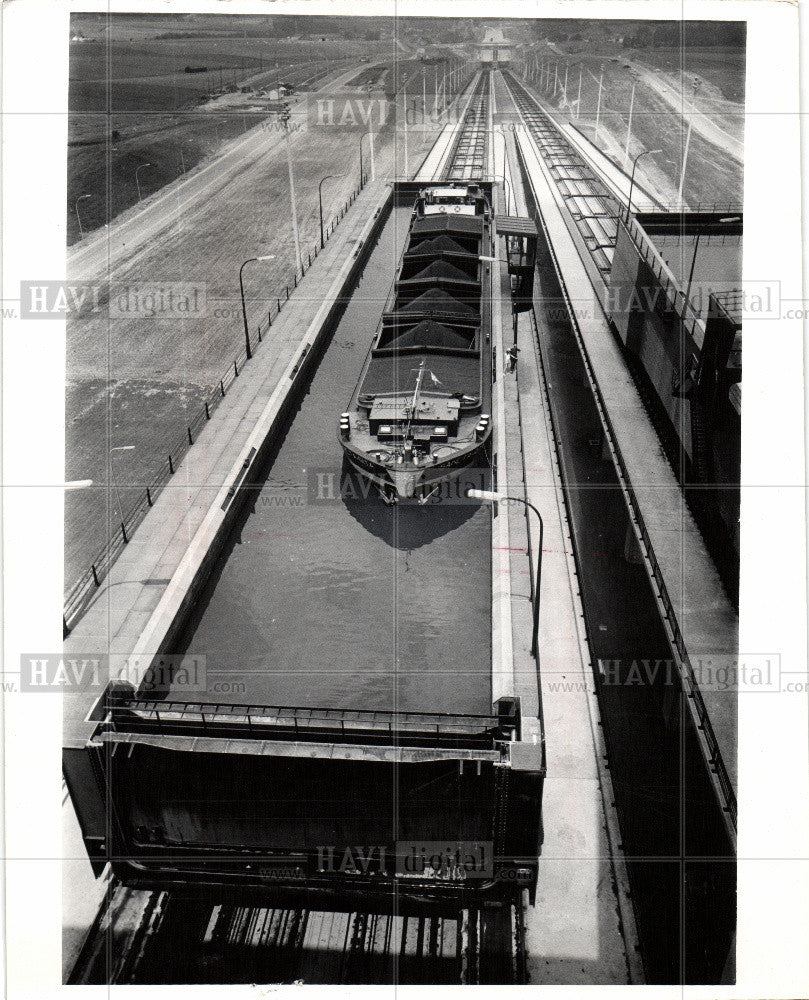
(120,447)
(726,220)
(494,497)
(501,132)
(183,142)
(320,204)
(249,260)
(645,152)
(502,177)
(81,230)
(137,180)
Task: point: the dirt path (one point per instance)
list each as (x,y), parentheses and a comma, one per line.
(102,254)
(702,123)
(134,381)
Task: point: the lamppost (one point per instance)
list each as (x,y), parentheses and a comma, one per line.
(502,260)
(249,260)
(320,203)
(372,156)
(502,177)
(645,152)
(600,82)
(371,134)
(293,202)
(629,126)
(182,157)
(727,219)
(137,180)
(685,160)
(494,497)
(78,217)
(502,134)
(120,447)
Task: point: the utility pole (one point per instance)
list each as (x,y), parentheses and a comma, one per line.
(598,108)
(629,127)
(685,160)
(404,108)
(423,94)
(293,202)
(578,99)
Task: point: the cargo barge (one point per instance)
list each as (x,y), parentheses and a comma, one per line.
(421,411)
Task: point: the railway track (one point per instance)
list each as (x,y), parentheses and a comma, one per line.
(467,161)
(163,938)
(592,207)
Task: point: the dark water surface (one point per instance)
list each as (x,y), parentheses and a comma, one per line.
(347,603)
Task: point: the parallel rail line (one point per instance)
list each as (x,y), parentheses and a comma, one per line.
(590,203)
(467,162)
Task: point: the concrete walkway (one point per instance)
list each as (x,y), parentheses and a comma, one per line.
(121,619)
(582,928)
(706,619)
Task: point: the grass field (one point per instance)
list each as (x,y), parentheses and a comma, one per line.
(713,175)
(174,128)
(722,68)
(131,102)
(137,383)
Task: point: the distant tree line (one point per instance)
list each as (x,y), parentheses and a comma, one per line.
(644,34)
(691,34)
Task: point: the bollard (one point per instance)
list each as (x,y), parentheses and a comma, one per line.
(222,387)
(269,319)
(287,290)
(278,301)
(148,496)
(171,466)
(259,333)
(190,439)
(207,411)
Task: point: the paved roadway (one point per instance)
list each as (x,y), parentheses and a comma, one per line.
(136,380)
(100,254)
(701,122)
